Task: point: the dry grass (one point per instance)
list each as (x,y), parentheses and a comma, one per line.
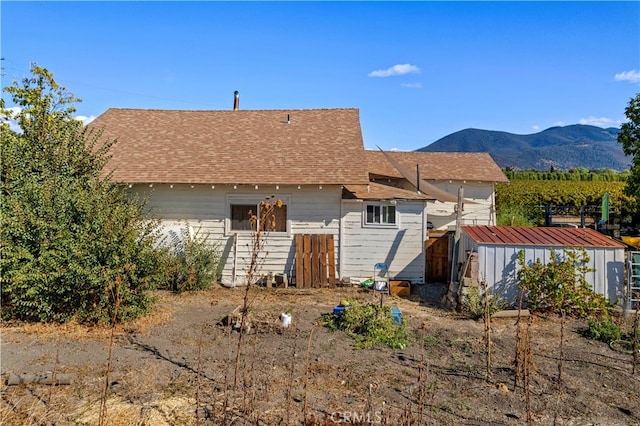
(290,374)
(161,314)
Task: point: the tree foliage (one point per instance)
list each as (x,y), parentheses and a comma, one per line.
(73,243)
(575,174)
(629,137)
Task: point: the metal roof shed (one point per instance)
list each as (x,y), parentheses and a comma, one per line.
(498,248)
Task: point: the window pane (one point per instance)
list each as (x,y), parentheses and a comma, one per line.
(241,216)
(277,221)
(390,214)
(373,214)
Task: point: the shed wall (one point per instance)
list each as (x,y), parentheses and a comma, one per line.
(498,264)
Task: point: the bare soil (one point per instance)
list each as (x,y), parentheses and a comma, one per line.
(176,367)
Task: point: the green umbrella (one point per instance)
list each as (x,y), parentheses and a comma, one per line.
(605,208)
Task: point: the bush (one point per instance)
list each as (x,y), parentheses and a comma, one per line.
(74,245)
(560,286)
(603,331)
(368,325)
(193,262)
(473,303)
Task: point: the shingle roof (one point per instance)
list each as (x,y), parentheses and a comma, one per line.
(547,237)
(319,146)
(470,166)
(376,191)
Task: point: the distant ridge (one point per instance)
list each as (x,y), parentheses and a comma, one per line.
(563,148)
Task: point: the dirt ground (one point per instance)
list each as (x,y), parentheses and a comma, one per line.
(177,367)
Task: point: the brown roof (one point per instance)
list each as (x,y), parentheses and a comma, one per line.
(319,146)
(548,237)
(470,166)
(376,191)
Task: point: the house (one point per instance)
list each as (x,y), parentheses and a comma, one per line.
(475,173)
(442,174)
(383,224)
(211,168)
(497,249)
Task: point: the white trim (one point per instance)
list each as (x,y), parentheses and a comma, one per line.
(366,204)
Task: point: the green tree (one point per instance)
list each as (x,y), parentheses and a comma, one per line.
(629,137)
(74,245)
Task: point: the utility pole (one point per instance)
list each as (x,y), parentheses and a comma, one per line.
(456,238)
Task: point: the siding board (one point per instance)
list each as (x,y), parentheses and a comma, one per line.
(402,248)
(310,210)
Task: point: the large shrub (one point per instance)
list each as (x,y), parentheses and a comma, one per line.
(560,285)
(74,245)
(193,261)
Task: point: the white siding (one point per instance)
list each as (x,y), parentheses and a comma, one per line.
(310,210)
(498,264)
(481,212)
(401,248)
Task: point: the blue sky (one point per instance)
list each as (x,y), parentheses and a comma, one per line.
(417,71)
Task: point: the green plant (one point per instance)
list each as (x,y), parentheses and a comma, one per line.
(560,285)
(368,325)
(602,330)
(67,232)
(473,303)
(193,262)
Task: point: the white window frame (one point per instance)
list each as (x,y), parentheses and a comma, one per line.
(381,205)
(254,199)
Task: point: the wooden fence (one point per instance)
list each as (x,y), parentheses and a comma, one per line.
(315,261)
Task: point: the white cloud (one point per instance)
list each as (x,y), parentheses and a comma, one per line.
(398,69)
(13,123)
(599,121)
(412,85)
(14,111)
(535,127)
(85,120)
(632,76)
(559,123)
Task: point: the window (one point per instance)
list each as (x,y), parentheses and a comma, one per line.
(276,221)
(380,215)
(241,218)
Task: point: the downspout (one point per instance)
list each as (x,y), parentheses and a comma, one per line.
(341,241)
(425,231)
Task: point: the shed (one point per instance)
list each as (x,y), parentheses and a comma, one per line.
(497,249)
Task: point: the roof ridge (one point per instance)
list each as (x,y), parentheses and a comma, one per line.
(231,110)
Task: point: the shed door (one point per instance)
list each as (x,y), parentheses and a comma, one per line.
(438,267)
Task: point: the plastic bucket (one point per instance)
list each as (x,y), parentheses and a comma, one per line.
(285,319)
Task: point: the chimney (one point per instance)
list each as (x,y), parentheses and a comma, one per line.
(236,100)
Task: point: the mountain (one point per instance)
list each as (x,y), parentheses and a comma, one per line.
(563,148)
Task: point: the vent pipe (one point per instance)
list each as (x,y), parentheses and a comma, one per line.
(236,100)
